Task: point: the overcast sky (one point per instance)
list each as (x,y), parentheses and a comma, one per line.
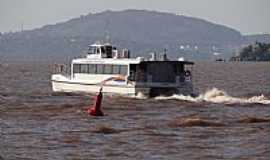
(247,16)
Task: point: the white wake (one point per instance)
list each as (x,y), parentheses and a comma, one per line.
(218,96)
(139,96)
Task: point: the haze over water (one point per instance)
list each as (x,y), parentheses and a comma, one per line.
(229,120)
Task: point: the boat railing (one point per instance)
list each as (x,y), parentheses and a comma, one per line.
(61,69)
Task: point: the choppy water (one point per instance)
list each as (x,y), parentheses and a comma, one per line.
(229,120)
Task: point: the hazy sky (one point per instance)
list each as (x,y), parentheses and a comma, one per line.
(247,16)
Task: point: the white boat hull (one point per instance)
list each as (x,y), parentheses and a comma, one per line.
(63,84)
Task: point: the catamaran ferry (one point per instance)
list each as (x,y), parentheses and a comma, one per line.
(117,73)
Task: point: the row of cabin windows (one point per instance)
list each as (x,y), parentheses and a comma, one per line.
(100,69)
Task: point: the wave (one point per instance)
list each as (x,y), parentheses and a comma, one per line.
(195,121)
(254,120)
(139,96)
(218,96)
(105,129)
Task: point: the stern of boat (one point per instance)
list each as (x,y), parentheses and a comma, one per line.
(57,81)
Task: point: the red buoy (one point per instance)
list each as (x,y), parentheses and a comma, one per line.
(96,109)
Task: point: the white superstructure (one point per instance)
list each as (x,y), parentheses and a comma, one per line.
(118,73)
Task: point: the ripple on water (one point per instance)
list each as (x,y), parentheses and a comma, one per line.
(195,121)
(38,124)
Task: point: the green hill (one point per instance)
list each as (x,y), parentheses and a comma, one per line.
(139,30)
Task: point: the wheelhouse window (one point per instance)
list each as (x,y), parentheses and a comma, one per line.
(103,51)
(132,72)
(92,50)
(109,51)
(98,50)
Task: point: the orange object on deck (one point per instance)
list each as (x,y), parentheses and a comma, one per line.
(96,109)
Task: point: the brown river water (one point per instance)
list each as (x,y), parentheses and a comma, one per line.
(230,119)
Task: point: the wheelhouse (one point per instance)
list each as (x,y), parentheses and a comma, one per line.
(100,51)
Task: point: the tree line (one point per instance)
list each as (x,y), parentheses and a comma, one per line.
(254,52)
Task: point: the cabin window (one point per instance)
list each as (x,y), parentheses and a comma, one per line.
(123,70)
(116,69)
(76,68)
(108,69)
(91,68)
(100,68)
(84,68)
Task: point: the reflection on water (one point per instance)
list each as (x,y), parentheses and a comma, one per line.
(229,122)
